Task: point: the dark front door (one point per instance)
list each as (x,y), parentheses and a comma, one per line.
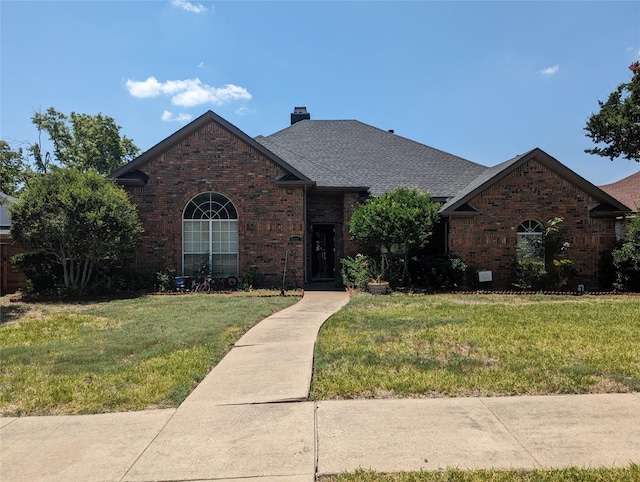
(323,251)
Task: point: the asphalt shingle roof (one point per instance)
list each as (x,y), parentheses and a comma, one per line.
(349,154)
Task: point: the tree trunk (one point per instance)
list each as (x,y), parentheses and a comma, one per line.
(65,267)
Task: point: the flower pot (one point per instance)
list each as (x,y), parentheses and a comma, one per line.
(379,287)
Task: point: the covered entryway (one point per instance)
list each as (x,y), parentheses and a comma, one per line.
(323,252)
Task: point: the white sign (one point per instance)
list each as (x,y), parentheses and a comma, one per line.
(484,276)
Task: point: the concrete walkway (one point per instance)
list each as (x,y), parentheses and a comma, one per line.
(249,420)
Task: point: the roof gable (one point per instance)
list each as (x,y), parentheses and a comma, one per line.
(130,173)
(350,154)
(494,174)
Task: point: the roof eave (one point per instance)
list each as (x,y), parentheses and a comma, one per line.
(609,214)
(296,183)
(460,214)
(342,188)
(129,182)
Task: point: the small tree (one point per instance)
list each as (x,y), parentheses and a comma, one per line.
(617,125)
(82,220)
(626,259)
(403,217)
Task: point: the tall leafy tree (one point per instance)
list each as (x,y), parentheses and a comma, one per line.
(616,128)
(82,141)
(13,169)
(83,220)
(403,217)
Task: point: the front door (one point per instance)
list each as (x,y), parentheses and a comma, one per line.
(323,251)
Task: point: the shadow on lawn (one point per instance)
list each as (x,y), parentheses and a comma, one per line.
(9,313)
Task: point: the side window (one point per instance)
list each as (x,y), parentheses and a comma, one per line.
(530,241)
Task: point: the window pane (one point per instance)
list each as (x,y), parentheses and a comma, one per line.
(529,247)
(193,264)
(195,236)
(225,265)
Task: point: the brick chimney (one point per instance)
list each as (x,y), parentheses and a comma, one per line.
(299,113)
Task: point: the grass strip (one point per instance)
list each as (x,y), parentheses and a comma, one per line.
(625,474)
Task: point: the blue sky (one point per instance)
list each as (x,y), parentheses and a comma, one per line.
(482,80)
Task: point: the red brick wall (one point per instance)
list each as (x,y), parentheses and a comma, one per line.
(532,191)
(351,203)
(213,159)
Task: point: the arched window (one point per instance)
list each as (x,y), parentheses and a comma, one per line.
(530,241)
(210,236)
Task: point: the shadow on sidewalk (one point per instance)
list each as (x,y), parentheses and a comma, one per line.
(324,286)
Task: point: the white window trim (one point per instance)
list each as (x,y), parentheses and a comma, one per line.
(212,219)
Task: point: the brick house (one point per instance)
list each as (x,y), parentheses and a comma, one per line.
(210,194)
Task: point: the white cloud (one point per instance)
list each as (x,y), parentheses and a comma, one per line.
(181,117)
(242,110)
(187,93)
(148,88)
(549,70)
(188,6)
(201,65)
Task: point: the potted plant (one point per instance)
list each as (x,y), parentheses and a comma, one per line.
(377,285)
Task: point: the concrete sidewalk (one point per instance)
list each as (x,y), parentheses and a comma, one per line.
(249,419)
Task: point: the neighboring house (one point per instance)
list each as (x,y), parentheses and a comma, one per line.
(626,190)
(11,280)
(210,194)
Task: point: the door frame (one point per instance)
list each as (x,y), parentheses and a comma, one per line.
(327,251)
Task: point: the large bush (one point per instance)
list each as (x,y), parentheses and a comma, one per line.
(438,271)
(82,221)
(626,260)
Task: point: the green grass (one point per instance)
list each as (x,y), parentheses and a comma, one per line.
(478,345)
(627,474)
(148,352)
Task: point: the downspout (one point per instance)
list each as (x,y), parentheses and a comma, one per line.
(304,234)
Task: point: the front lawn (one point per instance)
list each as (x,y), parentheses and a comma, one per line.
(478,345)
(70,358)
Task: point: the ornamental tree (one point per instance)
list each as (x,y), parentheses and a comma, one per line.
(82,220)
(403,217)
(617,125)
